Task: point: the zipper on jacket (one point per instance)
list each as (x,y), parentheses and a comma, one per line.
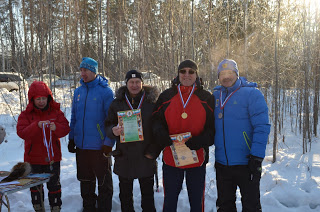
(57,143)
(84,114)
(224,138)
(30,149)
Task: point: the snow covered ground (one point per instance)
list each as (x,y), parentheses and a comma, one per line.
(292,184)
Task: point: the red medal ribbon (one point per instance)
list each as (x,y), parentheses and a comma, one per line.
(222,105)
(140,103)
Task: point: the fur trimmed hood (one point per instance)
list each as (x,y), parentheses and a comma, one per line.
(152,93)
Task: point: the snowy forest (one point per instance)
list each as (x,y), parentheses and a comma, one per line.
(275,43)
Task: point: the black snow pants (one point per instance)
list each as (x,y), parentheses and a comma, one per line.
(53,185)
(92,165)
(228,178)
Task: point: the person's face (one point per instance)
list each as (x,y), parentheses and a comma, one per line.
(41,102)
(227,78)
(187,76)
(87,75)
(134,86)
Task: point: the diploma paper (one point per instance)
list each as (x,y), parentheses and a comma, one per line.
(182,155)
(132,125)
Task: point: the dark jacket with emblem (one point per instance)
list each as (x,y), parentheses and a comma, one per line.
(167,120)
(132,163)
(27,127)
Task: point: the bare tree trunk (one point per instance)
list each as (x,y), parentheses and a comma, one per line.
(275,95)
(228,35)
(25,36)
(107,57)
(172,47)
(142,37)
(101,39)
(32,52)
(2,51)
(300,103)
(316,89)
(12,37)
(77,47)
(245,38)
(211,72)
(307,70)
(192,28)
(50,32)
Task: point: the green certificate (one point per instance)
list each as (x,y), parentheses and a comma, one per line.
(132,125)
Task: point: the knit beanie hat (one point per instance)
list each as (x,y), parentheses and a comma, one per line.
(133,74)
(188,64)
(228,64)
(90,64)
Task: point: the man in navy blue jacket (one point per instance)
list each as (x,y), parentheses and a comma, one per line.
(242,129)
(88,139)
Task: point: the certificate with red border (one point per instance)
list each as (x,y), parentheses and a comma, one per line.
(131,121)
(182,155)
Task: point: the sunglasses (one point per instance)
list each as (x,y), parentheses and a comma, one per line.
(183,71)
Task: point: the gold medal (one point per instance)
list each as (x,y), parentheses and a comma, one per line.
(184,115)
(220,115)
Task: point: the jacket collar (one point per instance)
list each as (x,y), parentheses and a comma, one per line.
(98,80)
(152,93)
(236,85)
(241,81)
(135,99)
(93,83)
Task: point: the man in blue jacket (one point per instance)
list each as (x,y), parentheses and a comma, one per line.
(88,139)
(242,129)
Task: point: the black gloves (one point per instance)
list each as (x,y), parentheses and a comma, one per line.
(106,150)
(193,144)
(116,153)
(255,168)
(152,151)
(71,146)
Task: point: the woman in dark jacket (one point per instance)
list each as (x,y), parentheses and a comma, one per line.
(132,160)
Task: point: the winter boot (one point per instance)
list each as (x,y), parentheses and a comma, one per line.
(38,208)
(55,209)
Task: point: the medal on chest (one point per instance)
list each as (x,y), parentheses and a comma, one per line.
(223,103)
(140,103)
(184,115)
(48,145)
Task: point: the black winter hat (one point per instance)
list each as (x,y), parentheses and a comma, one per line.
(188,63)
(133,74)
